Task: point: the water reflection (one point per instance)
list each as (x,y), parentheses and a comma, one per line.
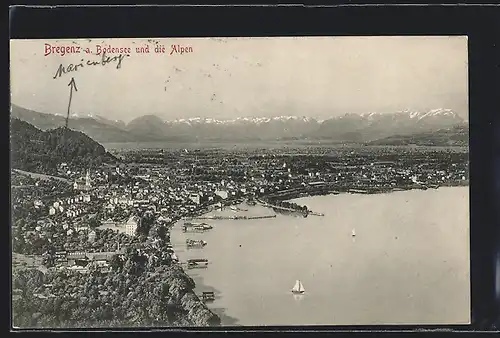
(298,298)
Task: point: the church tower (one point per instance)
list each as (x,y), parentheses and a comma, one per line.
(87,180)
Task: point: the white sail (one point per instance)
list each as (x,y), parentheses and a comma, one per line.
(298,287)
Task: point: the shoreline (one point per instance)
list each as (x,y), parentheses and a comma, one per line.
(226,320)
(284,196)
(205,209)
(290,195)
(200,286)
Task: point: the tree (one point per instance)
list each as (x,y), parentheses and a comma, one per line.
(116,263)
(160,231)
(49,260)
(145,223)
(94,222)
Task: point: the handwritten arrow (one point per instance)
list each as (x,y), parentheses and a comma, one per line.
(71,85)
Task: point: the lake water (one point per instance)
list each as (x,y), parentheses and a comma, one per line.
(408,264)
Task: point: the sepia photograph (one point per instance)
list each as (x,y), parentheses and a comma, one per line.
(249,181)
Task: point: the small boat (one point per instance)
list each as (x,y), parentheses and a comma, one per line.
(197,263)
(196,244)
(298,288)
(353,233)
(203,226)
(196,227)
(192,229)
(208,296)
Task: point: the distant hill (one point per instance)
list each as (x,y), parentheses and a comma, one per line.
(373,126)
(352,128)
(99,129)
(40,151)
(455,136)
(149,125)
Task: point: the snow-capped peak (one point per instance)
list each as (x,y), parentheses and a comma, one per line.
(414,114)
(370,115)
(256,120)
(439,112)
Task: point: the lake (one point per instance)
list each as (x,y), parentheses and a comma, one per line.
(408,264)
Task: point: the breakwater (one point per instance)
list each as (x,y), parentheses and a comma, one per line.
(268,205)
(233,217)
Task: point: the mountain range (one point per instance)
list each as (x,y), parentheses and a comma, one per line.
(346,128)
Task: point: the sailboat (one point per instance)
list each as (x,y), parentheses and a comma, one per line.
(298,288)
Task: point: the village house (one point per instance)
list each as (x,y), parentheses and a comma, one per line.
(222,194)
(195,198)
(131,226)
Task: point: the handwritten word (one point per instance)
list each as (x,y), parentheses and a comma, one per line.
(111,50)
(105,60)
(61,50)
(178,49)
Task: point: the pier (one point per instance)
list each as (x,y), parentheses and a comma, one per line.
(234,217)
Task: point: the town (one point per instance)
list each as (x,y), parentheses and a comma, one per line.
(112,223)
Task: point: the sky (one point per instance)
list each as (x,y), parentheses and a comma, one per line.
(225,78)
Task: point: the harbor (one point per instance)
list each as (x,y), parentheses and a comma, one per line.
(233,217)
(247,290)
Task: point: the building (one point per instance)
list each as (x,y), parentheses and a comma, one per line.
(52,211)
(195,198)
(76,257)
(222,194)
(131,226)
(83,185)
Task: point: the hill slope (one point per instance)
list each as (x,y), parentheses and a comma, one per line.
(456,136)
(99,129)
(36,150)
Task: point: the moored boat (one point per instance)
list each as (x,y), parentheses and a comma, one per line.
(208,296)
(195,244)
(196,226)
(197,263)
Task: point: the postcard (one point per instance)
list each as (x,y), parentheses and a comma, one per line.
(251,181)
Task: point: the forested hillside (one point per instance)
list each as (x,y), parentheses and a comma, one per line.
(40,151)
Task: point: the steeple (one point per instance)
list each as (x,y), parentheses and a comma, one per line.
(87,179)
